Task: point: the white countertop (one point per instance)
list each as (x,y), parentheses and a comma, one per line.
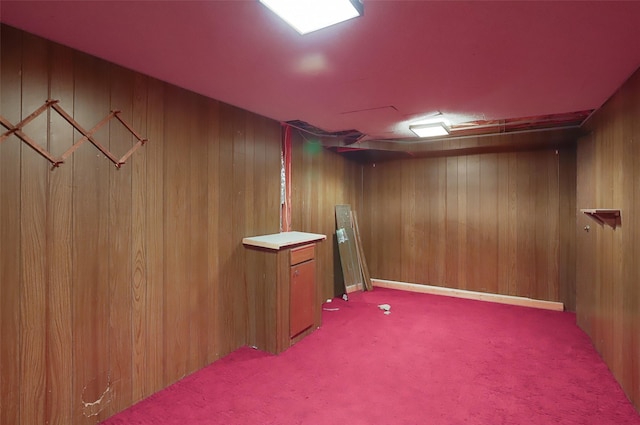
(282,240)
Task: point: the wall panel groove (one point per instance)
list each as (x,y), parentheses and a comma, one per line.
(320,180)
(120,281)
(488,222)
(33,201)
(59,249)
(10,210)
(607,290)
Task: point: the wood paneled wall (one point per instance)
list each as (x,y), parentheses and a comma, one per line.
(490,222)
(116,283)
(321,179)
(608,271)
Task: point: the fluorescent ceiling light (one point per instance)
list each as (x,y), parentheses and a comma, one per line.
(434,129)
(311,15)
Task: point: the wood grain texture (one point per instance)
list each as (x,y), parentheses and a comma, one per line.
(500,213)
(489,211)
(282,306)
(239,226)
(525,233)
(251,222)
(631,272)
(120,281)
(60,249)
(452,249)
(567,248)
(411,232)
(176,229)
(474,223)
(10,209)
(225,306)
(33,200)
(462,221)
(632,293)
(213,242)
(285,308)
(121,258)
(198,231)
(437,213)
(139,271)
(91,287)
(154,241)
(322,179)
(607,293)
(504,235)
(262,280)
(586,249)
(302,293)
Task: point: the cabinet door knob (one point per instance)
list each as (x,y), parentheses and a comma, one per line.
(587,228)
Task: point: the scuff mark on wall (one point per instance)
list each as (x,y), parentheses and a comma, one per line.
(93,408)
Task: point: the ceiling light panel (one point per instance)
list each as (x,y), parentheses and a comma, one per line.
(306,16)
(430,130)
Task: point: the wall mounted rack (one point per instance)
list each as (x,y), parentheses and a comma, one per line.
(86,134)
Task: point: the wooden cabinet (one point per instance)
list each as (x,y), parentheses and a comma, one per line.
(302,293)
(284,304)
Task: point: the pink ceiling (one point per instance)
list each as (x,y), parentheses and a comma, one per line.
(470,60)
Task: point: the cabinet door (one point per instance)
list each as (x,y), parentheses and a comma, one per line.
(302,297)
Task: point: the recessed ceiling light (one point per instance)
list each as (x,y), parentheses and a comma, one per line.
(434,129)
(310,15)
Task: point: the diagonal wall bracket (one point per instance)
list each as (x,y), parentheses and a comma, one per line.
(609,217)
(87,134)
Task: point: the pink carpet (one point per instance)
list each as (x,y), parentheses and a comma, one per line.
(433,360)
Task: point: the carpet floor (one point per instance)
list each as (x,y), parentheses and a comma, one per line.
(431,360)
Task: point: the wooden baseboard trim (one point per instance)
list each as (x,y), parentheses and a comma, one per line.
(471,295)
(354,288)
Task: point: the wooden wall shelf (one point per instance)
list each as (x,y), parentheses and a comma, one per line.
(610,217)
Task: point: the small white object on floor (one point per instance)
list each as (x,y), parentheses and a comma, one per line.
(387,312)
(385,307)
(345,297)
(331,309)
(329,300)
